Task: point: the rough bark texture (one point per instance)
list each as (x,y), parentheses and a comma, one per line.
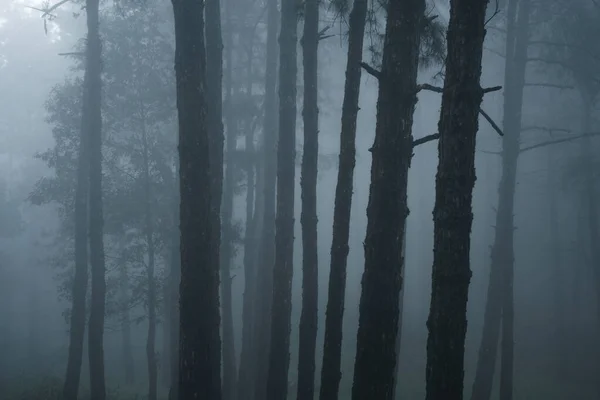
(453,217)
(267,246)
(332,348)
(308,218)
(281,302)
(149,233)
(388,209)
(199,337)
(80,281)
(96,220)
(400,313)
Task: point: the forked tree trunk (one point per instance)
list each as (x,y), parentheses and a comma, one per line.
(96,220)
(199,336)
(331,373)
(453,217)
(281,301)
(388,206)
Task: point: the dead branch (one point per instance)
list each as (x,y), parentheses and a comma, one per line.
(322,36)
(47,12)
(425,139)
(431,88)
(491,122)
(496,12)
(496,52)
(558,141)
(549,85)
(492,89)
(370,70)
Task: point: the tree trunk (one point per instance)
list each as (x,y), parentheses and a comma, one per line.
(281,303)
(250,242)
(199,337)
(388,209)
(149,233)
(453,217)
(222,197)
(174,282)
(96,220)
(332,347)
(128,362)
(500,292)
(400,314)
(80,281)
(267,246)
(308,218)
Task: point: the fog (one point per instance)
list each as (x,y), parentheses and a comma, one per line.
(556,257)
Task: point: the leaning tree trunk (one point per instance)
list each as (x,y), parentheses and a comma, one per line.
(96,220)
(80,281)
(266,257)
(388,206)
(149,233)
(332,348)
(308,218)
(199,337)
(281,302)
(453,217)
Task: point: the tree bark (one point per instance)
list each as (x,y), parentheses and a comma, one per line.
(267,246)
(308,218)
(199,337)
(388,207)
(332,348)
(128,362)
(453,217)
(281,303)
(400,314)
(96,220)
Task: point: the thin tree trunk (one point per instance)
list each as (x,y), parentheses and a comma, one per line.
(502,257)
(128,363)
(250,242)
(199,336)
(149,233)
(388,206)
(281,303)
(96,220)
(266,256)
(308,218)
(332,348)
(453,217)
(174,282)
(80,281)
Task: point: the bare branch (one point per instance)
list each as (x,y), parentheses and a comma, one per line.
(425,139)
(492,89)
(72,54)
(496,52)
(370,70)
(549,85)
(431,88)
(496,153)
(491,122)
(47,12)
(558,141)
(322,35)
(496,12)
(544,129)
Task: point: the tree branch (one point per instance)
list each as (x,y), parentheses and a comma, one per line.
(431,88)
(370,70)
(492,89)
(544,128)
(425,139)
(549,85)
(491,122)
(557,141)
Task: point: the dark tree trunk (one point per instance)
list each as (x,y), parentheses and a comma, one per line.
(80,281)
(96,220)
(250,242)
(149,233)
(128,362)
(332,347)
(308,218)
(388,209)
(281,302)
(199,336)
(266,255)
(174,282)
(400,314)
(220,200)
(453,217)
